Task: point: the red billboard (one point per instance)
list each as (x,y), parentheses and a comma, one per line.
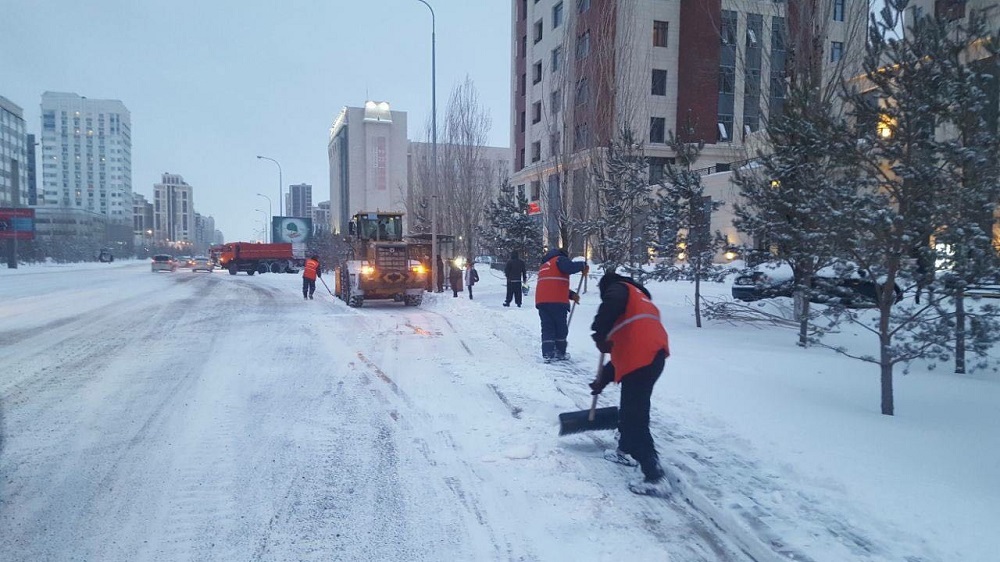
(17,223)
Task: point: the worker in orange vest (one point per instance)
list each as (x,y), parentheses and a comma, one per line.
(309,274)
(552,298)
(628,327)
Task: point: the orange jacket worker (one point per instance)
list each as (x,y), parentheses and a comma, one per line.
(309,274)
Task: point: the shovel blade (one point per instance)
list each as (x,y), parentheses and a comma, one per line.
(578,422)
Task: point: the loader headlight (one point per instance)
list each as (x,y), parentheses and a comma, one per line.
(418,269)
(367,270)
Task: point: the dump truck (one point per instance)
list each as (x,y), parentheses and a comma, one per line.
(257,258)
(379,264)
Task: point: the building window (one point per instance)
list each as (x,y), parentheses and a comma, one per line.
(657,168)
(523,84)
(727,80)
(659,82)
(728,29)
(838,10)
(554,144)
(583,45)
(521,122)
(836,51)
(557,15)
(524,10)
(536,112)
(582,91)
(555,102)
(657,130)
(536,72)
(556,58)
(725,128)
(581,136)
(538,31)
(582,5)
(660,33)
(536,151)
(536,190)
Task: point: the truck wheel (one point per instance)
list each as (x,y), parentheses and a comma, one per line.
(356,301)
(275,267)
(232,269)
(413,300)
(250,272)
(262,268)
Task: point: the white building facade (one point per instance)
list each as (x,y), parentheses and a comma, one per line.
(367,152)
(86,157)
(173,210)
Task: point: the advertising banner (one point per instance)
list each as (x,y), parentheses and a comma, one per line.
(294,230)
(17,223)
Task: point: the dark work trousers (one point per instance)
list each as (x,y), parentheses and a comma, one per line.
(514,292)
(554,328)
(470,292)
(308,287)
(633,417)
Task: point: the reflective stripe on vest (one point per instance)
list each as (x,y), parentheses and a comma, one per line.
(552,285)
(309,272)
(637,335)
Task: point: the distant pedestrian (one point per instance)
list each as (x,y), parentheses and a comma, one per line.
(628,327)
(455,278)
(552,298)
(440,274)
(310,272)
(516,274)
(471,277)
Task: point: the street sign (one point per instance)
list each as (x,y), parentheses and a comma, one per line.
(17,224)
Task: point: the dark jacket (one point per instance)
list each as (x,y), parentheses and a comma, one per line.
(614,297)
(515,270)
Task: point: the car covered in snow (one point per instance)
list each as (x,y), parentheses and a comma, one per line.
(841,284)
(163,262)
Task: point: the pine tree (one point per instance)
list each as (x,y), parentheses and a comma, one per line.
(624,200)
(790,194)
(682,222)
(509,227)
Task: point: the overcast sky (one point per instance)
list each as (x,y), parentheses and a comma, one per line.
(212,83)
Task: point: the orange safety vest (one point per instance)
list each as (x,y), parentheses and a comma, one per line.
(309,272)
(637,335)
(552,285)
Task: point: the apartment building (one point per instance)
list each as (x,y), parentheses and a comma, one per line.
(173,210)
(13,155)
(299,202)
(87,156)
(707,70)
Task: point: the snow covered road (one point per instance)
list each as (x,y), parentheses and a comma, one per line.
(209,417)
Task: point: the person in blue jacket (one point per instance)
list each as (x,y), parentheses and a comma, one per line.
(552,298)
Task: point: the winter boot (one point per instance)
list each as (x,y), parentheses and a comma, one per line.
(617,456)
(659,487)
(506,304)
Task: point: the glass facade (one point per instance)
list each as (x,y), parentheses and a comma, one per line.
(13,147)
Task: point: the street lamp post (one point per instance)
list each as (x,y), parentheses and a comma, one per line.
(434,147)
(268,210)
(281,182)
(264,220)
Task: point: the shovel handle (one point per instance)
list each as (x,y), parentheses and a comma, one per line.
(593,403)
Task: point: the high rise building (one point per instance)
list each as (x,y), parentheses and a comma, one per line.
(87,156)
(321,217)
(367,154)
(299,200)
(173,210)
(142,220)
(705,70)
(32,172)
(13,155)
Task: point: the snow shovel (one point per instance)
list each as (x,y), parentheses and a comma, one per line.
(589,420)
(327,286)
(579,286)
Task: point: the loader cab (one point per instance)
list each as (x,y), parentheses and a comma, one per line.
(381,227)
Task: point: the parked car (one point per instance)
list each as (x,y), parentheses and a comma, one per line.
(164,262)
(853,288)
(202,263)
